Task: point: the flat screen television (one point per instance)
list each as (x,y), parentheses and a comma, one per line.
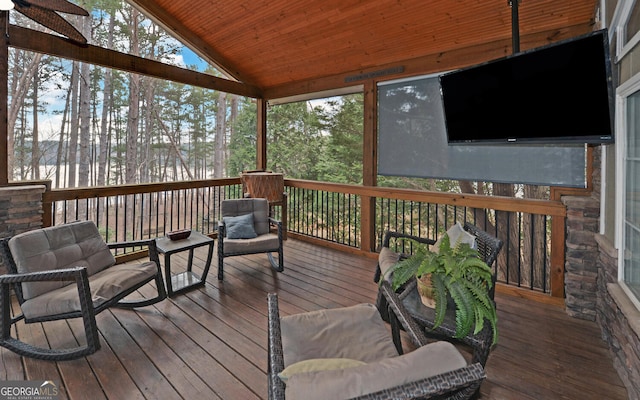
(560,93)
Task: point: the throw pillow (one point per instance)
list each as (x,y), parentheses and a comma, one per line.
(386,260)
(240,227)
(318,364)
(456,234)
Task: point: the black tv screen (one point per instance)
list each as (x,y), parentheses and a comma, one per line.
(561,93)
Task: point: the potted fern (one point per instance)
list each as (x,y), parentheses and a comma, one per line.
(457,273)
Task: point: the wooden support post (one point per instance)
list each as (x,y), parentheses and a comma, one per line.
(369,165)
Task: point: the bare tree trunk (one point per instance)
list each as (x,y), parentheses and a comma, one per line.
(533,248)
(233,116)
(35,151)
(131,156)
(19,89)
(84,113)
(134,107)
(133,122)
(104,135)
(60,153)
(72,146)
(174,145)
(220,139)
(508,232)
(478,215)
(72,158)
(107,105)
(149,121)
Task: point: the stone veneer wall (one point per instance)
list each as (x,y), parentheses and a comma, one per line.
(591,284)
(581,254)
(20,211)
(619,319)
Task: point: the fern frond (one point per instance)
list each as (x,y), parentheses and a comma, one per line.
(465,310)
(440,297)
(486,314)
(404,270)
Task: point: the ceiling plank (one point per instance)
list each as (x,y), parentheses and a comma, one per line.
(275,43)
(168,22)
(430,64)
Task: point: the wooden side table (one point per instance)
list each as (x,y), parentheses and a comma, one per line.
(183,281)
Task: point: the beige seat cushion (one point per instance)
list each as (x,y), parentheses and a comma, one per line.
(357,332)
(430,360)
(262,243)
(103,285)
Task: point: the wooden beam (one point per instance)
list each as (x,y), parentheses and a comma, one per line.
(40,42)
(430,64)
(167,21)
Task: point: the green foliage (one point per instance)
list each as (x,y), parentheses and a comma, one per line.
(456,272)
(343,121)
(295,140)
(242,142)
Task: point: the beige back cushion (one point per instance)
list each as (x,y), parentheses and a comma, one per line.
(259,208)
(357,332)
(77,244)
(387,259)
(424,362)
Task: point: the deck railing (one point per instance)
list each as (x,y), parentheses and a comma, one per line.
(532,230)
(339,215)
(133,212)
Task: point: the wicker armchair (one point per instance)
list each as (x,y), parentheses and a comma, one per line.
(487,245)
(68,271)
(251,232)
(435,370)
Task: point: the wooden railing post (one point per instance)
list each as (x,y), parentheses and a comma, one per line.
(47,206)
(557,256)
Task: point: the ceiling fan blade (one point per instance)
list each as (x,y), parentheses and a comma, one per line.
(52,21)
(59,5)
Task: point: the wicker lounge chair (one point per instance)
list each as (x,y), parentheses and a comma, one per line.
(378,369)
(68,271)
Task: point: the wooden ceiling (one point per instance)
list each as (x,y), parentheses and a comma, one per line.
(286,47)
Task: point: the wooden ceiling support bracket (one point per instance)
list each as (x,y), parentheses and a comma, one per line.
(515,25)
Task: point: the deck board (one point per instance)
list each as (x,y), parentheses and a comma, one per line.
(211,342)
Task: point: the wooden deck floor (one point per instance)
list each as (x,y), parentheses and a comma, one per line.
(210,343)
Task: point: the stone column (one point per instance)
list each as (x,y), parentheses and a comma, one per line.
(20,211)
(581,257)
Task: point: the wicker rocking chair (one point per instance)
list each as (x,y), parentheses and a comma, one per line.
(68,271)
